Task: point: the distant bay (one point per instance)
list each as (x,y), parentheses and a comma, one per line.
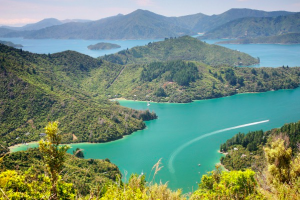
(271,55)
(179,124)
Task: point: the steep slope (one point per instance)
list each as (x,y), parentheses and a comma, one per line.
(37,88)
(255,27)
(182,48)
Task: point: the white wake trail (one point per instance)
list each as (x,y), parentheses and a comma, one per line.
(179,149)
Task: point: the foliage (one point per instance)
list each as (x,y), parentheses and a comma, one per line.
(182,48)
(251,141)
(177,71)
(278,159)
(78,153)
(250,152)
(228,185)
(53,155)
(86,175)
(283,171)
(137,188)
(28,185)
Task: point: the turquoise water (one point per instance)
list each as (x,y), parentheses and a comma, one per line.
(186,135)
(271,55)
(179,124)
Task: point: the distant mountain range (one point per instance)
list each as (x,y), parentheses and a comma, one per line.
(140,24)
(251,27)
(44,24)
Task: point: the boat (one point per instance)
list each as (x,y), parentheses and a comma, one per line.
(199,164)
(148,103)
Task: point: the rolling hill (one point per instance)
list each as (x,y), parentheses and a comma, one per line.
(37,88)
(182,48)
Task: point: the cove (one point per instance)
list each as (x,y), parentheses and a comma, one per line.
(179,124)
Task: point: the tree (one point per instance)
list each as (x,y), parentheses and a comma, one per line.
(53,154)
(160,92)
(78,153)
(220,184)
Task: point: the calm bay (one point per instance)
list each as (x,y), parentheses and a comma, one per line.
(186,135)
(178,124)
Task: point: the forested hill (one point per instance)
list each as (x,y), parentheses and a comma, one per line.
(182,48)
(288,38)
(251,145)
(251,27)
(37,88)
(182,81)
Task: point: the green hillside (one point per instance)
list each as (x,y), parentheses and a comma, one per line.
(182,81)
(182,48)
(37,88)
(288,38)
(85,174)
(251,27)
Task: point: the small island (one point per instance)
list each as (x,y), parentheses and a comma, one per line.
(7,43)
(103,46)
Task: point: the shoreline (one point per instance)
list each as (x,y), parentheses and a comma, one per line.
(219,163)
(18,145)
(194,100)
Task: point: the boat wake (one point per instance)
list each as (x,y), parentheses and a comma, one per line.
(179,149)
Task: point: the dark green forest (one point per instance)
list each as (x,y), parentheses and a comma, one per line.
(251,145)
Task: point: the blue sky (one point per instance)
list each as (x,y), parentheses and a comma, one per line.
(20,12)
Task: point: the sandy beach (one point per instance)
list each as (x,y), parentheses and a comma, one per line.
(18,145)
